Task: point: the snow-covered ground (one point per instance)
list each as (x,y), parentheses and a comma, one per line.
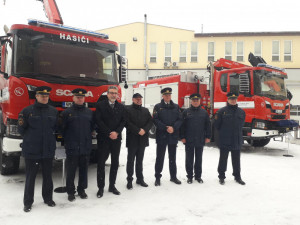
(271,195)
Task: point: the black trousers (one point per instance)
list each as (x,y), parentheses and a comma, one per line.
(160,157)
(111,147)
(72,162)
(135,153)
(190,153)
(235,159)
(31,170)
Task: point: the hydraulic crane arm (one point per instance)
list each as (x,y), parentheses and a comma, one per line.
(52,11)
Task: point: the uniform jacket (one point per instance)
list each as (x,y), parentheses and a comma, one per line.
(37,124)
(137,117)
(229,122)
(196,126)
(77,127)
(167,115)
(109,119)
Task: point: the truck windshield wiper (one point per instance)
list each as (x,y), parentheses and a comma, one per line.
(87,78)
(39,75)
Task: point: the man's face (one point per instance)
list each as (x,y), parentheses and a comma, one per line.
(112,95)
(232,101)
(43,99)
(167,97)
(195,102)
(78,100)
(137,101)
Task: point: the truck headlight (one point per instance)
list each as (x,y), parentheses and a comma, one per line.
(12,128)
(260,125)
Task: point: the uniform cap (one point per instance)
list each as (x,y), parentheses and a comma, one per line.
(43,90)
(195,96)
(79,92)
(166,91)
(137,95)
(232,95)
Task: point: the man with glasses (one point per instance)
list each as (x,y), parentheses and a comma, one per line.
(110,119)
(37,124)
(138,124)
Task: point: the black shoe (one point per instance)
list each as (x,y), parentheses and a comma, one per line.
(142,183)
(71,198)
(189,180)
(221,181)
(199,180)
(82,195)
(129,185)
(175,180)
(50,203)
(100,193)
(114,190)
(240,181)
(157,182)
(27,208)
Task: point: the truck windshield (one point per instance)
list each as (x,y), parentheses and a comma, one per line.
(269,85)
(46,57)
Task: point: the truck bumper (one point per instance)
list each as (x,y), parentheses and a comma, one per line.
(257,133)
(11,145)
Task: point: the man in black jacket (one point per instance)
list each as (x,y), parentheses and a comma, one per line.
(110,119)
(229,122)
(195,132)
(138,124)
(168,119)
(37,124)
(77,124)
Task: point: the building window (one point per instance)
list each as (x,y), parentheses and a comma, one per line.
(153,52)
(287,51)
(211,51)
(295,110)
(123,50)
(182,57)
(257,48)
(194,52)
(240,51)
(168,52)
(275,51)
(228,50)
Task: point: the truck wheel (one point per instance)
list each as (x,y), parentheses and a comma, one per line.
(152,132)
(259,142)
(9,164)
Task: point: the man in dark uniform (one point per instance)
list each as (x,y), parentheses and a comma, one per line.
(138,124)
(168,119)
(195,132)
(229,122)
(110,119)
(37,124)
(77,124)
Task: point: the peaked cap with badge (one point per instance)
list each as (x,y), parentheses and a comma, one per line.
(79,92)
(232,95)
(43,90)
(166,91)
(195,96)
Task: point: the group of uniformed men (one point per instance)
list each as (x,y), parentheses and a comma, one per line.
(38,123)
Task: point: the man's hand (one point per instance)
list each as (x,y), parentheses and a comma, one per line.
(170,129)
(142,132)
(183,140)
(113,135)
(207,140)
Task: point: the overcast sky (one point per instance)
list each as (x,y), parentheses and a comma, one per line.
(215,15)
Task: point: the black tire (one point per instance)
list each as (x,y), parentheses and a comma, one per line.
(9,164)
(152,132)
(259,142)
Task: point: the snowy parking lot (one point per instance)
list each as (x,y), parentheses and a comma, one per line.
(271,195)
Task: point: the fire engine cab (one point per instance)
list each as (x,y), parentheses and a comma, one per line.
(50,54)
(261,88)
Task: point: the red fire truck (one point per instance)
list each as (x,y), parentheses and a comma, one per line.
(261,88)
(51,54)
